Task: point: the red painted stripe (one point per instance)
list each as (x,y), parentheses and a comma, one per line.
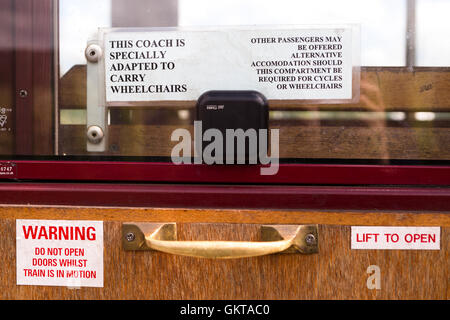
(288,173)
(220,196)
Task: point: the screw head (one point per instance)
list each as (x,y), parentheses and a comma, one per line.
(310,239)
(130,236)
(93,53)
(95,134)
(23,93)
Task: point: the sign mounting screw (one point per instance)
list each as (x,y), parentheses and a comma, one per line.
(95,134)
(93,53)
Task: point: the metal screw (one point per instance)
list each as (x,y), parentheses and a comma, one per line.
(95,134)
(23,93)
(310,239)
(130,236)
(114,147)
(93,53)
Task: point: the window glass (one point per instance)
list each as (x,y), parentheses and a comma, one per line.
(403,111)
(432,29)
(73,34)
(382,22)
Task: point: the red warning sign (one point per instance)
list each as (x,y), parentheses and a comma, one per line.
(59,253)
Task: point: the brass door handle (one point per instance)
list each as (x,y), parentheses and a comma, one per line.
(275,239)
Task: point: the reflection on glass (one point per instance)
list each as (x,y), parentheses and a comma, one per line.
(79,20)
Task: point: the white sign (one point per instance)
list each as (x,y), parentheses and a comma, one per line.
(59,253)
(396,238)
(281,63)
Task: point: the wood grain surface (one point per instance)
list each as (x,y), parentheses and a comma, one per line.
(305,142)
(44,114)
(382,88)
(7,96)
(337,272)
(27,65)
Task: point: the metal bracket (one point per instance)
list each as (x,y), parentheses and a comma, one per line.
(97,116)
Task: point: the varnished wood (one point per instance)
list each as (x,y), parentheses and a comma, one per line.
(7,73)
(382,88)
(295,141)
(23,49)
(337,272)
(27,65)
(43,78)
(395,218)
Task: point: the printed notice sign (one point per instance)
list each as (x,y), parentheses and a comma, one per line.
(396,238)
(282,64)
(59,253)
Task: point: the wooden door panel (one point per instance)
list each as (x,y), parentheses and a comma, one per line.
(336,272)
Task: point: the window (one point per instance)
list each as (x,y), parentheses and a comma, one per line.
(402,116)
